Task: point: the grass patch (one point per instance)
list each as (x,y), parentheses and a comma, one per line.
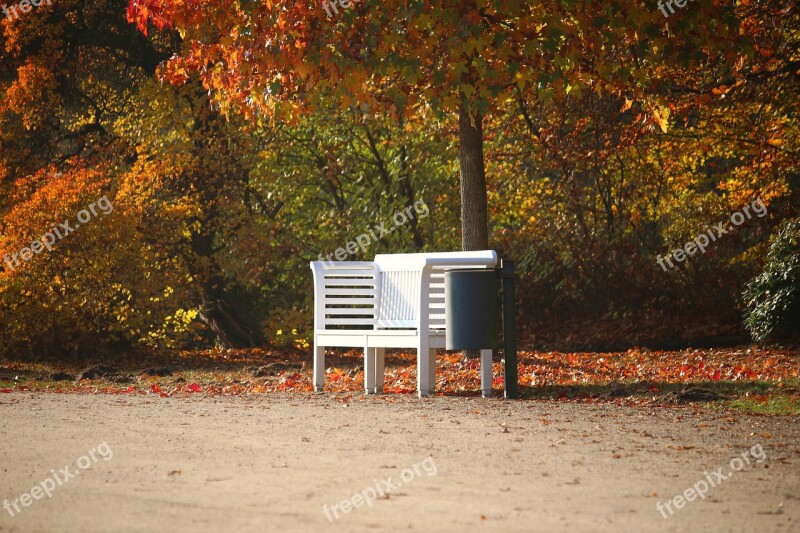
(768,405)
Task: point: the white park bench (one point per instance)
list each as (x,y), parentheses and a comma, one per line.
(396,301)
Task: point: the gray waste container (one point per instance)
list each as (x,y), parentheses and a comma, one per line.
(470,309)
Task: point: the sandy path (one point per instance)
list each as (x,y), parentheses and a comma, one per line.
(272,462)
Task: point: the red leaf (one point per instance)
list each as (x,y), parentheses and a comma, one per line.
(5,391)
(716,376)
(193,387)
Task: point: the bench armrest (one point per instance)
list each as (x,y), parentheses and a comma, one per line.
(479,258)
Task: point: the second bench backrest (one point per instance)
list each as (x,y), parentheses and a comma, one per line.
(404,282)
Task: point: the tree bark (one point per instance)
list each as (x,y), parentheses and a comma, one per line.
(219,309)
(474,219)
(410,198)
(226,322)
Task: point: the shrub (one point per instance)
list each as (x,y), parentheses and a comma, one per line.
(772,298)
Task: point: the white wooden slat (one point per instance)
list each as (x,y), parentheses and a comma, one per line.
(465,266)
(471,266)
(396,323)
(350,301)
(349,321)
(478,258)
(352,291)
(399,295)
(436,306)
(340,338)
(344,265)
(349,272)
(346,312)
(349,282)
(436,303)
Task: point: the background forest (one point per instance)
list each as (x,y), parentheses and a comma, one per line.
(216,212)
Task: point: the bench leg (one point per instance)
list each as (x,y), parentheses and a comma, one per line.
(432,370)
(379,369)
(369,370)
(486,373)
(319,368)
(426,369)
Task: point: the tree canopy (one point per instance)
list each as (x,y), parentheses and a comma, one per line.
(237,141)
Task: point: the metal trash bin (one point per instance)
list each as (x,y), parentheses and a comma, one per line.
(470,309)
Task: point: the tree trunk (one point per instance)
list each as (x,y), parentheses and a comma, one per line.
(226,322)
(410,199)
(218,308)
(474,220)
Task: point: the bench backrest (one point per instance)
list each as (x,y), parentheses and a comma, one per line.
(408,278)
(389,292)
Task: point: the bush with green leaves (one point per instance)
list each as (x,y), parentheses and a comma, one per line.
(773,297)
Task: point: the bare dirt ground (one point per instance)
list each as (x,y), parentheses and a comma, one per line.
(272,462)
